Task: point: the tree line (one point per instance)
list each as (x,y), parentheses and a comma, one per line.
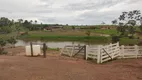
(8,26)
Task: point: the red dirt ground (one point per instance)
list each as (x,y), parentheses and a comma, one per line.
(19,67)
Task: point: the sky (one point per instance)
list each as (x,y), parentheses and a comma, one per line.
(73,12)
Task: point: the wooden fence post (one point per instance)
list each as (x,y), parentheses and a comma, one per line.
(31,49)
(136,51)
(84,51)
(99,54)
(86,56)
(71,54)
(44,50)
(122,51)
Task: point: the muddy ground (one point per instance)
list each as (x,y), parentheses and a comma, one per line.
(56,67)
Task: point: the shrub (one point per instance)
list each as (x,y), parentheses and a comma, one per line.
(88,33)
(115,39)
(2,43)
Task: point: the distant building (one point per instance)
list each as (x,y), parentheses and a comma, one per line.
(53,27)
(108,27)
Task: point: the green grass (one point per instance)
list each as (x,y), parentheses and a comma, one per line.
(108,31)
(66,38)
(7,36)
(127,41)
(53,49)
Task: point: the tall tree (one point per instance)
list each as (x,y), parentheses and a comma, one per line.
(35,21)
(31,21)
(20,20)
(128,21)
(4,21)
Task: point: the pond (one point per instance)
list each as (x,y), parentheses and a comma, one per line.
(53,44)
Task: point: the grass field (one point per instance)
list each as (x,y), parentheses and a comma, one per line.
(65,36)
(108,31)
(126,41)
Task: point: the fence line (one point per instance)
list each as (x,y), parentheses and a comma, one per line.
(104,53)
(130,51)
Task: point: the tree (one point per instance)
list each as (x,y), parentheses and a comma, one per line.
(20,20)
(73,28)
(35,21)
(128,21)
(12,41)
(103,23)
(4,21)
(31,21)
(27,24)
(114,22)
(140,27)
(140,24)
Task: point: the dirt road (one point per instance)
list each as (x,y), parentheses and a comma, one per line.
(62,68)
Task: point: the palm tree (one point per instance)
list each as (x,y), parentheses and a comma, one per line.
(35,21)
(31,21)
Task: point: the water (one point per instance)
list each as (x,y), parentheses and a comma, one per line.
(51,44)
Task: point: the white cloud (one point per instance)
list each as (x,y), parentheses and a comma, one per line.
(67,11)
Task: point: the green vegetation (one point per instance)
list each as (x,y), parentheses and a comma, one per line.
(53,49)
(106,31)
(2,44)
(66,38)
(127,41)
(128,21)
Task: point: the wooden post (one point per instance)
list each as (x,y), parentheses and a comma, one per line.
(84,51)
(136,51)
(122,51)
(31,49)
(71,54)
(44,50)
(99,54)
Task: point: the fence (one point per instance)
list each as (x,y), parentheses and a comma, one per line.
(73,50)
(130,51)
(102,53)
(92,52)
(108,52)
(105,53)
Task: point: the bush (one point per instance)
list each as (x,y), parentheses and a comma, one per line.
(2,51)
(2,43)
(88,33)
(131,37)
(140,43)
(115,39)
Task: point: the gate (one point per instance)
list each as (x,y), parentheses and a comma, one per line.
(108,52)
(103,53)
(73,50)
